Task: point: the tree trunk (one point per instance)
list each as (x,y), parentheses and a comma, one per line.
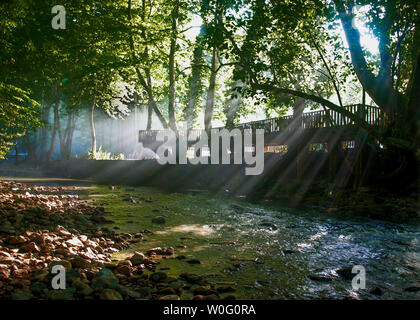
(149,116)
(208,112)
(233,103)
(172,82)
(44,132)
(298,107)
(69,140)
(380,87)
(92,125)
(16,153)
(195,86)
(54,133)
(413,109)
(31,146)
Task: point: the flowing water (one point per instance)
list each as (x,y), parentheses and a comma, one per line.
(266,251)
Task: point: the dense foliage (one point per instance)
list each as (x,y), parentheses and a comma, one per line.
(250,56)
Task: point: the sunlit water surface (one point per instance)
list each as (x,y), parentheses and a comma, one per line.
(268,252)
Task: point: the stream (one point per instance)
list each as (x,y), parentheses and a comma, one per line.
(266,251)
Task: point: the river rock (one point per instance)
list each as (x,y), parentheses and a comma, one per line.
(158,276)
(166,291)
(159,220)
(138,258)
(289,251)
(168,251)
(66,294)
(210,297)
(4,272)
(105,279)
(155,251)
(66,264)
(124,269)
(224,289)
(17,240)
(40,275)
(128,292)
(412,289)
(204,291)
(320,277)
(109,294)
(170,297)
(30,247)
(71,275)
(191,277)
(345,272)
(21,295)
(268,225)
(125,263)
(376,291)
(144,291)
(194,261)
(176,285)
(82,287)
(79,262)
(38,288)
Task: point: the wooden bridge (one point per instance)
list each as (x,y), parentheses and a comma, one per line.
(320,125)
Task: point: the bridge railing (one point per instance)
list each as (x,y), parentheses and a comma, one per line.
(150,135)
(308,120)
(317,119)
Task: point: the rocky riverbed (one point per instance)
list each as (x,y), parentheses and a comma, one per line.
(121,242)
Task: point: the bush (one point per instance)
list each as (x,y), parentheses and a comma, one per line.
(103,155)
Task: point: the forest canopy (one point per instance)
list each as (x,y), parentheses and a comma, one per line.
(202,61)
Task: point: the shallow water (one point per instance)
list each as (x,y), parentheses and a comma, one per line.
(243,244)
